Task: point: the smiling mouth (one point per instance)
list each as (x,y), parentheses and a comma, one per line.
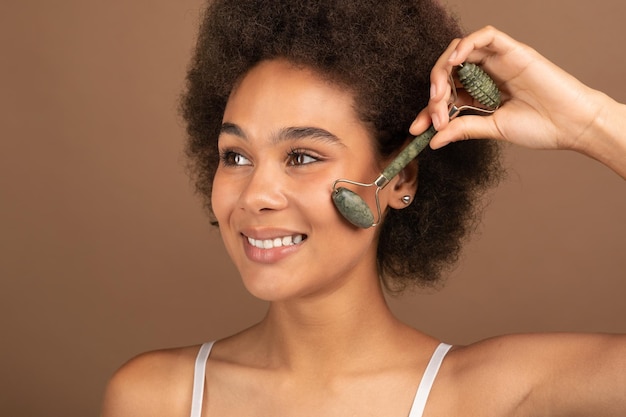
(277,242)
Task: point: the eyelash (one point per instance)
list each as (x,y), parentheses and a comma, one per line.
(294,154)
(227,157)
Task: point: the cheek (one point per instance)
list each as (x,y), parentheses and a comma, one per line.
(316,204)
(222,200)
(313,195)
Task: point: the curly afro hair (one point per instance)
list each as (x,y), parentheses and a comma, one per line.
(382,51)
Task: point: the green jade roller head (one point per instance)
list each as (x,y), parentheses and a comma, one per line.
(478,85)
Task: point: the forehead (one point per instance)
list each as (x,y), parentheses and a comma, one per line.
(278,92)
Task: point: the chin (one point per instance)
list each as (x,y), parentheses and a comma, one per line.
(276,288)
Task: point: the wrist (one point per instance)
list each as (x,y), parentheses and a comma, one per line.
(605,139)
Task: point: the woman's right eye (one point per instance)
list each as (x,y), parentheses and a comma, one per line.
(232,158)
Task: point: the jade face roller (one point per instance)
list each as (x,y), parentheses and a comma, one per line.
(478,85)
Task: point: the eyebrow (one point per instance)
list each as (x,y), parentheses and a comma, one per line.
(287,134)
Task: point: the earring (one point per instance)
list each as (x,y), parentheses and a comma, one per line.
(406,199)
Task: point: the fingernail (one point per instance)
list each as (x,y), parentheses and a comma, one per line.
(433,90)
(453,56)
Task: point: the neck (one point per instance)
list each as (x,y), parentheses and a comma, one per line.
(327,330)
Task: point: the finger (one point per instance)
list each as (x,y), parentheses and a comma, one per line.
(464,128)
(440,74)
(421,123)
(470,47)
(477,45)
(440,88)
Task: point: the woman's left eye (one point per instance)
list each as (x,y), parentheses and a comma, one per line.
(297,157)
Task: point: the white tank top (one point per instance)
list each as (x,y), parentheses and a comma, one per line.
(417,409)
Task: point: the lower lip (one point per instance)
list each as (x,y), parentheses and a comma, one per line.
(268,256)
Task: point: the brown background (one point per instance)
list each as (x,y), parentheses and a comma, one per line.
(105,252)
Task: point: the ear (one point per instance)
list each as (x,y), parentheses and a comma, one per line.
(404,184)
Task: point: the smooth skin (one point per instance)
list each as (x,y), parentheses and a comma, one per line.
(329,346)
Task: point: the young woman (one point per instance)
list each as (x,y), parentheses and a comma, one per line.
(285,97)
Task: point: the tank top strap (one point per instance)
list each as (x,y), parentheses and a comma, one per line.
(423,390)
(419,403)
(198,379)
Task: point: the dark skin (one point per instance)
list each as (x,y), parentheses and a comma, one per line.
(329,344)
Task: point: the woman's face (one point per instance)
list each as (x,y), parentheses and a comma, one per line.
(286,136)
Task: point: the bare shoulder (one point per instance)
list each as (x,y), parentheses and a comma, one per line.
(152,384)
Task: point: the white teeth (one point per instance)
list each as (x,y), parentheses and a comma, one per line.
(276,242)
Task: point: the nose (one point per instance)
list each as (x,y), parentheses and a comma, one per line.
(264,190)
